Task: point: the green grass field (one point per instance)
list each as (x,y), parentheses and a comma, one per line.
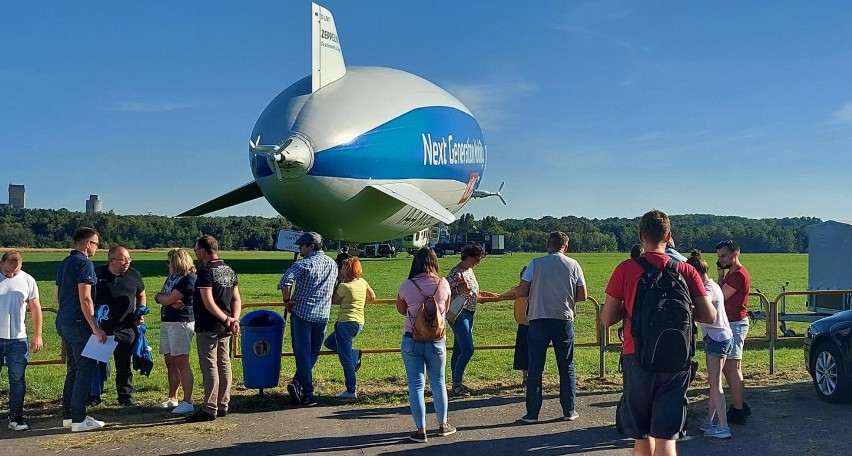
(382,376)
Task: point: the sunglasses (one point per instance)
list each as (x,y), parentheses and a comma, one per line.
(725,243)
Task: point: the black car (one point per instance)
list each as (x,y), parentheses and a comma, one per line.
(828,354)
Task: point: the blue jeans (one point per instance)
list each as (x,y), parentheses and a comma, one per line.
(15,354)
(340,340)
(432,356)
(78,378)
(307,341)
(462,345)
(561,333)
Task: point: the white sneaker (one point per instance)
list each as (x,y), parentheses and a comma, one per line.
(66,422)
(183,408)
(348,395)
(169,403)
(89,424)
(718,432)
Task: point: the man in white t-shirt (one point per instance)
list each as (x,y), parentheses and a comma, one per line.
(17,291)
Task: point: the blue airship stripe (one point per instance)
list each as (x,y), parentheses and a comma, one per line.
(396,149)
(261,166)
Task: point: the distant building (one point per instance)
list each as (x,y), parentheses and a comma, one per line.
(94,204)
(16,196)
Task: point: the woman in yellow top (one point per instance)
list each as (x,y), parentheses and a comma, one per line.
(351,294)
(521,360)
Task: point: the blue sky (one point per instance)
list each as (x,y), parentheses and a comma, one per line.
(594,109)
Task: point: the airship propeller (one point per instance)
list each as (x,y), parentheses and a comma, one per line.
(485,193)
(290,159)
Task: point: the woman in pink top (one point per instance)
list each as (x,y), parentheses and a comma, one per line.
(424,358)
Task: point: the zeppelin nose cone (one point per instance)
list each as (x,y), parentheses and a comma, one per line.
(294,158)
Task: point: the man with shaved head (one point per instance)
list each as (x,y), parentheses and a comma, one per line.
(120,287)
(18,290)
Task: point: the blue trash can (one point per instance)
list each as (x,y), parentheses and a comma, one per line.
(262,336)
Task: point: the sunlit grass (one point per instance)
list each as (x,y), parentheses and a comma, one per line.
(382,377)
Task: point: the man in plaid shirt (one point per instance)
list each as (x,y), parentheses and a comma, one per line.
(309,306)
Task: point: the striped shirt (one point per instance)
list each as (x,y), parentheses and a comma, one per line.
(314,277)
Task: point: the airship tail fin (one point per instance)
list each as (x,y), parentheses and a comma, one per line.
(245,193)
(415,198)
(326,54)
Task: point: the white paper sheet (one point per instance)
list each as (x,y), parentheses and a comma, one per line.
(99,352)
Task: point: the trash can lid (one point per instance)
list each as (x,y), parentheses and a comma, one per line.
(262,318)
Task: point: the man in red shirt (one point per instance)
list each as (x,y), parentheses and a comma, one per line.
(735,286)
(654,404)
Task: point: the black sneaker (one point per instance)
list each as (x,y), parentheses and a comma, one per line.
(736,416)
(221,413)
(126,402)
(17,423)
(358,363)
(200,416)
(93,401)
(746,409)
(418,437)
(295,393)
(309,400)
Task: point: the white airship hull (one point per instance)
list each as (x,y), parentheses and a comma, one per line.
(372,128)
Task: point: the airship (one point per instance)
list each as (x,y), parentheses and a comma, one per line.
(362,153)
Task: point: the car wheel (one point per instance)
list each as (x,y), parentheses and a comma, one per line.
(829,373)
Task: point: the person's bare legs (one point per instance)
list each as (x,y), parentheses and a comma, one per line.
(734,377)
(654,447)
(173,375)
(185,376)
(716,402)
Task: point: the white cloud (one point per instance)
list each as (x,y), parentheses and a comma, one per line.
(490,102)
(148,106)
(843,115)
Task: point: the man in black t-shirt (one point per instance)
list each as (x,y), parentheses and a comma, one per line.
(121,288)
(217,307)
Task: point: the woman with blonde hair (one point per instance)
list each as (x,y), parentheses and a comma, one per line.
(351,294)
(178,327)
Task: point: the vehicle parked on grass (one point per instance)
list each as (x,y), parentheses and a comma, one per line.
(379,251)
(828,354)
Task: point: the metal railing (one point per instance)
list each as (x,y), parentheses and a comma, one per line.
(603,336)
(599,342)
(62,353)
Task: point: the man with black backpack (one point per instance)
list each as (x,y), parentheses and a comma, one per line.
(659,299)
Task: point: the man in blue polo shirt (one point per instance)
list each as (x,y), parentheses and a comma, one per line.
(75,323)
(309,307)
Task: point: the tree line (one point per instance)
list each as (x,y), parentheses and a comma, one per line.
(53,228)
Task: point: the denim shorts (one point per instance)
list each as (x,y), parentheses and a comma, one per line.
(740,329)
(721,349)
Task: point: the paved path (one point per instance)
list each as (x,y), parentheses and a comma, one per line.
(786,420)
